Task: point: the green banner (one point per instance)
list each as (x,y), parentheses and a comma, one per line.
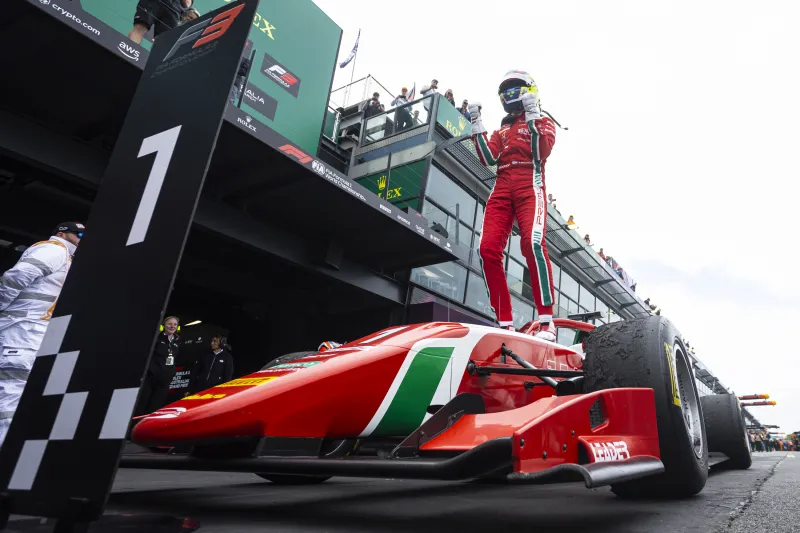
(452,119)
(401,186)
(296,45)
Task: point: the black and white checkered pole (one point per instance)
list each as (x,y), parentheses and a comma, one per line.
(61,453)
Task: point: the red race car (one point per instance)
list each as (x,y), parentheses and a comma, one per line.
(458,401)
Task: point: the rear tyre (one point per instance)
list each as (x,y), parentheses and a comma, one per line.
(649,353)
(726,429)
(288,479)
(288,358)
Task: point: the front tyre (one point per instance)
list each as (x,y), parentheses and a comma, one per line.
(726,428)
(649,353)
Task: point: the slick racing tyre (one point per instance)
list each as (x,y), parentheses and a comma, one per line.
(288,358)
(726,429)
(289,479)
(649,353)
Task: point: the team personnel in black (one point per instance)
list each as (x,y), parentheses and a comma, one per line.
(213,367)
(161,370)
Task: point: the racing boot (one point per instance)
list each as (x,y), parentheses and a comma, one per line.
(547,332)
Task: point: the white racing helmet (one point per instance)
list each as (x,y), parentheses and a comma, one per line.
(515,83)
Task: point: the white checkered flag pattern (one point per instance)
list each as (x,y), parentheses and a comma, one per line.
(72,405)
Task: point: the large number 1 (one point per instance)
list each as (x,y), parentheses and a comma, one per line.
(163,145)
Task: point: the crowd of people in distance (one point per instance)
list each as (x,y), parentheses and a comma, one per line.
(762,441)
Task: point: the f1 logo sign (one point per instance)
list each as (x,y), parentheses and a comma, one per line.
(288,149)
(207,30)
(282,74)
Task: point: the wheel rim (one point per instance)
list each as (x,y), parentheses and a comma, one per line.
(690,403)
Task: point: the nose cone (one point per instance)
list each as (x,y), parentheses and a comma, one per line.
(213,413)
(331,394)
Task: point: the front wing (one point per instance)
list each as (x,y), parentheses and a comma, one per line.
(600,438)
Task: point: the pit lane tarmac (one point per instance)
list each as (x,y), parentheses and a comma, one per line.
(733,501)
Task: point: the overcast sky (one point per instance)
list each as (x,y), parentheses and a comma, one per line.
(680,160)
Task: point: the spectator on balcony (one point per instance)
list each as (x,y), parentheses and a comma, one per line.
(163,14)
(430,89)
(402,117)
(601,254)
(587,240)
(374,106)
(571,224)
(449,96)
(189,15)
(464,109)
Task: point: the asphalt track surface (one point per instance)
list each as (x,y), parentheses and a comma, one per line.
(763,498)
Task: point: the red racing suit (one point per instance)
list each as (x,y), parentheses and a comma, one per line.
(520,150)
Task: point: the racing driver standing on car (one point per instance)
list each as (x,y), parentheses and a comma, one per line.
(519,149)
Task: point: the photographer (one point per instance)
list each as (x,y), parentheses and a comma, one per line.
(213,367)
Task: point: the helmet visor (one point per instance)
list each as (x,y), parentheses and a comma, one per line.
(514,94)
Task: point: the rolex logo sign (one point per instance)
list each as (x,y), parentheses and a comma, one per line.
(462,123)
(381,183)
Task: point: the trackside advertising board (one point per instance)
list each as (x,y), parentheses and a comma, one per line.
(295,43)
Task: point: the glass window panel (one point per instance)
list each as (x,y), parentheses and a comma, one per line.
(479,217)
(556,274)
(572,307)
(436,215)
(527,291)
(474,258)
(565,336)
(448,194)
(521,312)
(381,126)
(603,308)
(400,186)
(464,236)
(404,183)
(515,250)
(556,296)
(477,297)
(587,299)
(569,287)
(516,274)
(448,279)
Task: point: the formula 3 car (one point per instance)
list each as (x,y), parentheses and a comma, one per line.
(456,401)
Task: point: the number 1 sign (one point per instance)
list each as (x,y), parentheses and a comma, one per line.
(60,456)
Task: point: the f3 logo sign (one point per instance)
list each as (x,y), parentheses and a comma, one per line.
(207,30)
(282,74)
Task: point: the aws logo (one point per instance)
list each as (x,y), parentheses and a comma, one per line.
(128,51)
